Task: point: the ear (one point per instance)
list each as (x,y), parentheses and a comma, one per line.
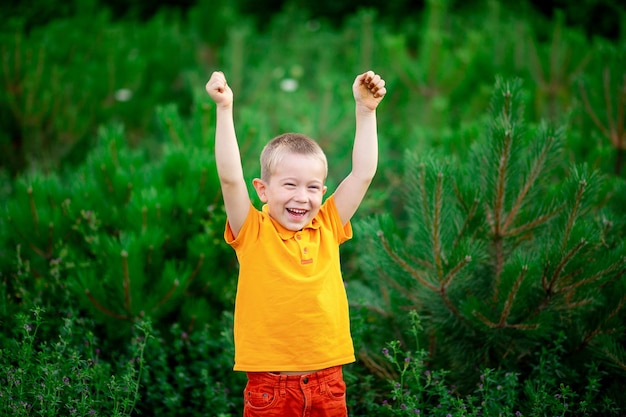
(324,190)
(260,188)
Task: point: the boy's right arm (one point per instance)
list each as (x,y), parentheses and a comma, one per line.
(227,157)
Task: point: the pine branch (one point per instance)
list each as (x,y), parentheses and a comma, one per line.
(167,296)
(436,227)
(129,192)
(498,210)
(621,116)
(614,129)
(533,224)
(567,278)
(599,329)
(448,303)
(591,112)
(126,282)
(144,219)
(423,191)
(107,180)
(595,277)
(499,265)
(570,306)
(33,208)
(375,367)
(42,253)
(536,68)
(550,288)
(615,359)
(374,309)
(443,290)
(573,215)
(471,211)
(415,274)
(619,136)
(195,271)
(171,129)
(535,171)
(493,325)
(608,102)
(401,289)
(506,311)
(445,283)
(102,308)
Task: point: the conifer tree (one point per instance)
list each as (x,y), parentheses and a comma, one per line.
(504,254)
(125,235)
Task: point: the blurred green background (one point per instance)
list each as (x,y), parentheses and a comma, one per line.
(497,213)
(69,67)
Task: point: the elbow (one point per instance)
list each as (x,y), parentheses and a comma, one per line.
(365,177)
(227,181)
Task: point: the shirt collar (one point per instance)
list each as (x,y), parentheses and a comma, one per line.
(287,234)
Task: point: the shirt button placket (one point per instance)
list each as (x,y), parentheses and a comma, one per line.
(304,250)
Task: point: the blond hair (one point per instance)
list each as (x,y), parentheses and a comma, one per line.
(285,144)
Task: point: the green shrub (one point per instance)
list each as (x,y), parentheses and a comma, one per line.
(63,80)
(420,390)
(188,372)
(55,364)
(59,90)
(133,229)
(500,254)
(124,236)
(63,374)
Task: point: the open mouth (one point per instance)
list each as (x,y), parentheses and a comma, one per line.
(296,212)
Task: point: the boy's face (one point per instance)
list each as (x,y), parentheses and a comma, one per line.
(295,189)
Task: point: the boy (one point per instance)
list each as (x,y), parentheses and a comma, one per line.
(292,330)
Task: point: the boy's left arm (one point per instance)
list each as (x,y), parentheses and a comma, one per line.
(368,90)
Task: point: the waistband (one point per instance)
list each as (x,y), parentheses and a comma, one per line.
(318,377)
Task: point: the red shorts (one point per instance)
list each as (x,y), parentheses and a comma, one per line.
(319,394)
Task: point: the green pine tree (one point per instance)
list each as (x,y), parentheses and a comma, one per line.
(502,255)
(124,236)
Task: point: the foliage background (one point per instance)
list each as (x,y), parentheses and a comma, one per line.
(110,236)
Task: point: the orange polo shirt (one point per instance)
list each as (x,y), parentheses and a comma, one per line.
(291,309)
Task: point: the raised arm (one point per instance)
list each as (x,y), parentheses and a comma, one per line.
(227,157)
(368,90)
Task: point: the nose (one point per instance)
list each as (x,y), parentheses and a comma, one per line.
(301,195)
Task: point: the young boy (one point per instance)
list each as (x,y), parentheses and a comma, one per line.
(292,329)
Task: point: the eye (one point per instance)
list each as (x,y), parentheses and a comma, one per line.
(314,187)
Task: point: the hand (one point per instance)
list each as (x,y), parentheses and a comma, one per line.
(218,89)
(369,90)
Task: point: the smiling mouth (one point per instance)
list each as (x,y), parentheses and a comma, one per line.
(296,212)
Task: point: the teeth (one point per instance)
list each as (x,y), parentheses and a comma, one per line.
(297,211)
